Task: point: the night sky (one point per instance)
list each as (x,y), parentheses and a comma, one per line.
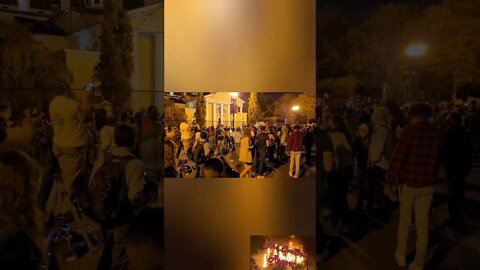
(358,10)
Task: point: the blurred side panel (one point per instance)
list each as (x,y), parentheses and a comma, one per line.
(208,222)
(241,45)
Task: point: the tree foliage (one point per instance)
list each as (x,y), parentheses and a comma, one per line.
(376,48)
(28,66)
(374,52)
(173,114)
(200,109)
(254,112)
(453,31)
(283,107)
(116,64)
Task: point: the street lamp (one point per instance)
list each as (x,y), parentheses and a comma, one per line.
(295,108)
(415,51)
(233,106)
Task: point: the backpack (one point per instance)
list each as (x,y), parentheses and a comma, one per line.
(199,153)
(108,190)
(342,155)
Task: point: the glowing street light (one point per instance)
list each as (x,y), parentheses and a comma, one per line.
(417,50)
(233,106)
(295,108)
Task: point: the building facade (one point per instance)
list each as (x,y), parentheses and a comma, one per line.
(77,35)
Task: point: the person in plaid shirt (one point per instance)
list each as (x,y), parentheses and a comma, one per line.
(294,147)
(414,165)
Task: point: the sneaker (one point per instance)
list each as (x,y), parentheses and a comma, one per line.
(295,176)
(290,174)
(401,260)
(260,176)
(414,266)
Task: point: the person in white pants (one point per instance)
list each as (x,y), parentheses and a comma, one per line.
(295,147)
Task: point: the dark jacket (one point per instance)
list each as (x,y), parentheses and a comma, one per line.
(17,251)
(457,152)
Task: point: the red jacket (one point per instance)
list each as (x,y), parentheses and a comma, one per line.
(416,156)
(295,142)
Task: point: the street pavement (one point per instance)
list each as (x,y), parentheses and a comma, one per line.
(375,246)
(307,171)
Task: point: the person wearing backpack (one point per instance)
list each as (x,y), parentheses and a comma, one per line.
(340,174)
(116,190)
(201,152)
(379,155)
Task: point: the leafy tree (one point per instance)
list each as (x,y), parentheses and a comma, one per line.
(200,110)
(307,103)
(116,64)
(254,111)
(339,89)
(452,29)
(173,114)
(376,48)
(282,107)
(27,65)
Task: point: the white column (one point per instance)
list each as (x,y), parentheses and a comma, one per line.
(214,122)
(228,110)
(159,70)
(241,114)
(221,114)
(135,96)
(206,113)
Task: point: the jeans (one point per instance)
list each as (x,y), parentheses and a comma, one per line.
(262,157)
(337,183)
(114,255)
(418,201)
(456,195)
(295,161)
(308,153)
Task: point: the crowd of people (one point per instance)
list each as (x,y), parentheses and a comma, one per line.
(195,152)
(397,156)
(78,171)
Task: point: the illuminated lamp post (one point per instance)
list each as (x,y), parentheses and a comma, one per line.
(414,52)
(233,106)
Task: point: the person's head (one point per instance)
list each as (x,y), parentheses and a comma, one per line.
(420,112)
(203,135)
(124,136)
(5,113)
(247,133)
(154,132)
(458,105)
(381,116)
(145,240)
(63,88)
(238,129)
(36,119)
(296,128)
(152,112)
(331,121)
(262,129)
(170,133)
(454,119)
(213,168)
(19,187)
(142,110)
